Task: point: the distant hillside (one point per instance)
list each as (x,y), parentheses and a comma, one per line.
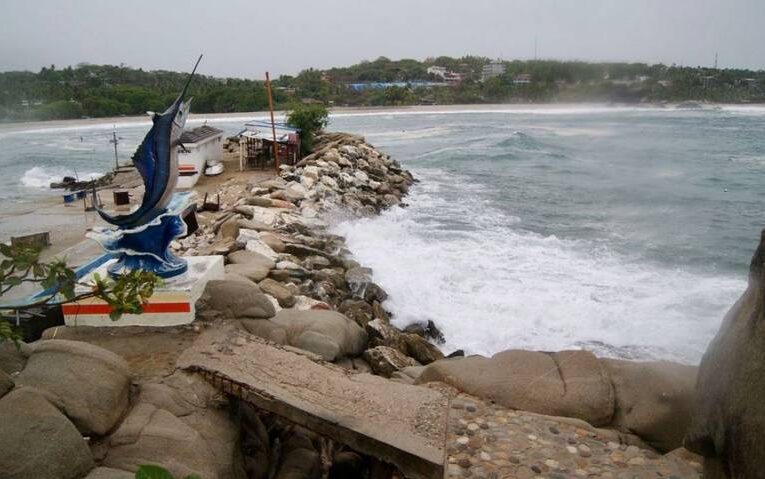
(105,90)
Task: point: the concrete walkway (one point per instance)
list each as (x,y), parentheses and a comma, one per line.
(401,424)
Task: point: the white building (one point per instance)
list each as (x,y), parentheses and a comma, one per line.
(199,146)
(438,71)
(493,69)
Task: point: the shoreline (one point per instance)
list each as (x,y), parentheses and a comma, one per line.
(12,127)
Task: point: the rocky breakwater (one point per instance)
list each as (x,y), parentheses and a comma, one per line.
(291,281)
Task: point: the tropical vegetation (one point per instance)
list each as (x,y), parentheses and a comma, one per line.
(106,90)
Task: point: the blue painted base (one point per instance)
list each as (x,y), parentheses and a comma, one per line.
(147,248)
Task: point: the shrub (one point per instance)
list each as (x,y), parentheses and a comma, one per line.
(310,119)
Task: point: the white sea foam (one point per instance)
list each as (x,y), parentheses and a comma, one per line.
(38,177)
(490,285)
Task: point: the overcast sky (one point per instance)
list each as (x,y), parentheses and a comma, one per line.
(244,38)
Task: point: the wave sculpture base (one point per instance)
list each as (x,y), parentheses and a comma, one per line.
(147,247)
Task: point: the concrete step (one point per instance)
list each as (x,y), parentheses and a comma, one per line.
(400,424)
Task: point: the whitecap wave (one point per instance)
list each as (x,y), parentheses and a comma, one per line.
(38,177)
(491,286)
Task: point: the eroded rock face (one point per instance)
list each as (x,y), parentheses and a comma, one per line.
(569,383)
(89,384)
(231,299)
(37,441)
(385,361)
(179,424)
(653,400)
(728,419)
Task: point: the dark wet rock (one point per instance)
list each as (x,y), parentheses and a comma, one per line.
(359,311)
(420,349)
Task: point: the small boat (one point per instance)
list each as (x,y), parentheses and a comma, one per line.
(214,169)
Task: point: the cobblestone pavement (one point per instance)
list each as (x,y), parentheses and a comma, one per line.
(492,442)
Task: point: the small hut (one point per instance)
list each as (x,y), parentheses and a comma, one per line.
(256,145)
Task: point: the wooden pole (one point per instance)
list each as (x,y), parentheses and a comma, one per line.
(273,125)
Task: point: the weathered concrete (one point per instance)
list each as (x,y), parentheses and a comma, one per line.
(400,424)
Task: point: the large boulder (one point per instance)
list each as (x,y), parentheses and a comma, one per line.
(231,299)
(728,418)
(250,257)
(568,383)
(37,441)
(327,333)
(89,384)
(653,400)
(109,473)
(180,424)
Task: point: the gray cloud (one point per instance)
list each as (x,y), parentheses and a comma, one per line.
(246,37)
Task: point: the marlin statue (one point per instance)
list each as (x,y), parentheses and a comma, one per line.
(156,159)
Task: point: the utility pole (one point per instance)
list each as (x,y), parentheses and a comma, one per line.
(114,141)
(273,125)
(535,48)
(715,60)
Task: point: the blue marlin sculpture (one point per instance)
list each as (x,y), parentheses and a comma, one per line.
(143,236)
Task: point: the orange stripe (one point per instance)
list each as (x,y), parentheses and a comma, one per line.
(74,308)
(187,167)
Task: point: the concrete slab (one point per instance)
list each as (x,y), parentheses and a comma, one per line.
(171,305)
(400,424)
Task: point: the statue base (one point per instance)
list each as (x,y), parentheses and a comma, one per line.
(171,305)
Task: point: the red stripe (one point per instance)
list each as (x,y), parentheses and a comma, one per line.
(186,167)
(74,309)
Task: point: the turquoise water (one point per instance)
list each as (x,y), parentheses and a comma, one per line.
(626,231)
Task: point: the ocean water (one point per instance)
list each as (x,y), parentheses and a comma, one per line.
(626,231)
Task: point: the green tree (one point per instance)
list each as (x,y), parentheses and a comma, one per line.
(309,119)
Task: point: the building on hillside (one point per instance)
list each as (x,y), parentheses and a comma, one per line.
(400,84)
(492,70)
(199,147)
(708,81)
(452,78)
(522,79)
(438,71)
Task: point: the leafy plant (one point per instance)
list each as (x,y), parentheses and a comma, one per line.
(158,472)
(310,119)
(21,264)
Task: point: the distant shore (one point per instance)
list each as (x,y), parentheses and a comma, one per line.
(343,111)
